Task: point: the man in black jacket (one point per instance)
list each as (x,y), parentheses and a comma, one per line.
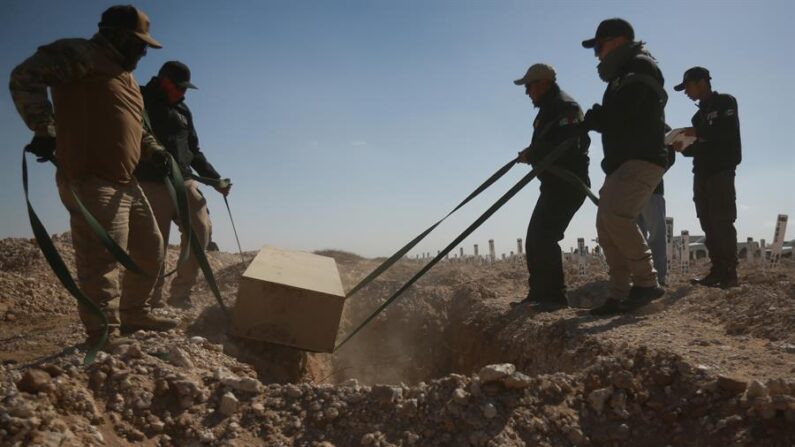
(716,154)
(631,120)
(557,120)
(172,123)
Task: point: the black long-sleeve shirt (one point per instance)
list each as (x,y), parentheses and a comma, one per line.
(717,125)
(172,125)
(632,117)
(557,120)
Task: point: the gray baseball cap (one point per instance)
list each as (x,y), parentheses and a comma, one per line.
(537,72)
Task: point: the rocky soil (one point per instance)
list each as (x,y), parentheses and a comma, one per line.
(449,364)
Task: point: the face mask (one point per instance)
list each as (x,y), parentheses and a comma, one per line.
(173,93)
(132,48)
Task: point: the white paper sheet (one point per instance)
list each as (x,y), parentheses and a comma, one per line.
(679,135)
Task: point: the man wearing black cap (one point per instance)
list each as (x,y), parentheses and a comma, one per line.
(558,119)
(716,154)
(97,116)
(172,124)
(631,120)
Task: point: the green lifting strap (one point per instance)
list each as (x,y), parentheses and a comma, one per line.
(400,253)
(556,153)
(121,256)
(572,179)
(175,185)
(59,267)
(177,182)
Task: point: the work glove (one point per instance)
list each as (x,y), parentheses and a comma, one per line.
(223,186)
(593,118)
(524,156)
(42,147)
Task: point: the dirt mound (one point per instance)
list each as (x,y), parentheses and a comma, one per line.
(450,363)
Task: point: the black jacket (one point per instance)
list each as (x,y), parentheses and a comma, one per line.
(172,125)
(632,116)
(717,127)
(558,119)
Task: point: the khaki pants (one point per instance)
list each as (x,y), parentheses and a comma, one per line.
(165,213)
(621,200)
(124,212)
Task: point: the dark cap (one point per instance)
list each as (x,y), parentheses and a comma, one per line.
(611,28)
(130,18)
(178,73)
(693,74)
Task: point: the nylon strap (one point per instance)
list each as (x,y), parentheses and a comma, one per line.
(556,153)
(400,253)
(198,250)
(59,267)
(572,179)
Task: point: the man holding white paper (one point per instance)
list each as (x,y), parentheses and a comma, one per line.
(716,153)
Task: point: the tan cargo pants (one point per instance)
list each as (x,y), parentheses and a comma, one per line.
(621,199)
(165,213)
(125,214)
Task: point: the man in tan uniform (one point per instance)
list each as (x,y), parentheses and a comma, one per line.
(97,116)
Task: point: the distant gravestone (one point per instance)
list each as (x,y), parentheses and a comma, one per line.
(582,260)
(685,257)
(669,242)
(778,240)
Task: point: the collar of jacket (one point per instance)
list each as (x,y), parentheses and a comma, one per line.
(706,103)
(549,96)
(613,64)
(107,47)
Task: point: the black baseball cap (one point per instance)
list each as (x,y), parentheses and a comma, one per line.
(130,18)
(693,74)
(611,28)
(178,73)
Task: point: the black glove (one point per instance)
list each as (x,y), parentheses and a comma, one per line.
(43,148)
(593,118)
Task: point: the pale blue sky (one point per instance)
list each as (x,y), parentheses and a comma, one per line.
(356,124)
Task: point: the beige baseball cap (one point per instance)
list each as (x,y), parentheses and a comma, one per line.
(537,72)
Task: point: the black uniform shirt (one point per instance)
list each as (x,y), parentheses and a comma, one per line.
(717,127)
(557,120)
(173,127)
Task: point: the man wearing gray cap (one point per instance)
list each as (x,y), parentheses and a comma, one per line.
(558,119)
(631,120)
(716,154)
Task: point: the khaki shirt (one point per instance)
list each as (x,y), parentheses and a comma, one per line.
(96,112)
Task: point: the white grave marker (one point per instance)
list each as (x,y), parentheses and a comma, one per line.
(778,240)
(582,260)
(669,242)
(685,258)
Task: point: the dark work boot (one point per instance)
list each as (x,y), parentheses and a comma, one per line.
(113,341)
(137,320)
(711,280)
(529,299)
(729,280)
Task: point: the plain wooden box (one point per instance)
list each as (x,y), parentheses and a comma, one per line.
(291,298)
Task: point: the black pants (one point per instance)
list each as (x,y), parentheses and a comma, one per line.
(555,208)
(716,207)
